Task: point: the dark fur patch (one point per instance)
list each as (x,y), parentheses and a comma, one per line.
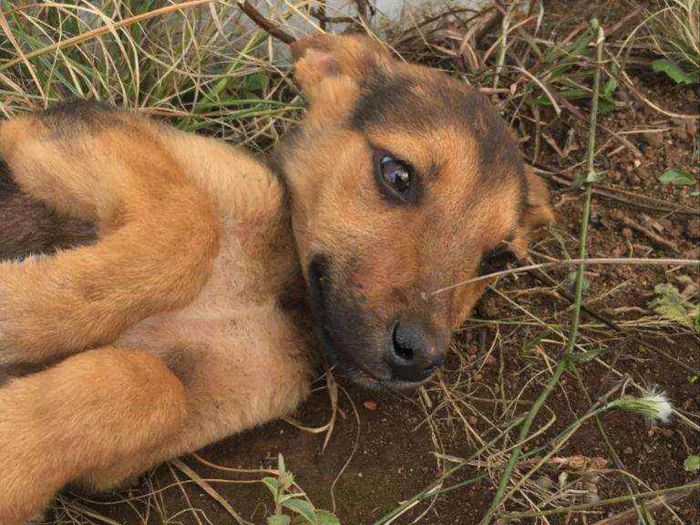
(339,321)
(75,116)
(182,362)
(29,227)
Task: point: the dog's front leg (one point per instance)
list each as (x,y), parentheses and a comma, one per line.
(94,409)
(158,232)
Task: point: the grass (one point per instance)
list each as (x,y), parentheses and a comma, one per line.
(558,355)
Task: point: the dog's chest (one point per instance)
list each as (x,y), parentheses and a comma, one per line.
(240,302)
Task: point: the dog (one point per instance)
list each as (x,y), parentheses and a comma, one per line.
(161,290)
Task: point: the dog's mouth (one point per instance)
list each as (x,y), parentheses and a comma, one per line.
(321,300)
(319,287)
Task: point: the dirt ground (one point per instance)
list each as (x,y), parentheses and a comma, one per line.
(387,447)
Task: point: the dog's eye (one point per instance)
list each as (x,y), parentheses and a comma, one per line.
(394,175)
(497,260)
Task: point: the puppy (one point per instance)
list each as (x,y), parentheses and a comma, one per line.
(205,284)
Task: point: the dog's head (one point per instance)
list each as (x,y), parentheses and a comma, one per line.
(402,181)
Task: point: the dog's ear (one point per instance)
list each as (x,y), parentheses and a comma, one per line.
(538,212)
(342,59)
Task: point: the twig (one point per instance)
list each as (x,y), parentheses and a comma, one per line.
(629,515)
(688,488)
(570,262)
(564,360)
(265,24)
(650,234)
(553,176)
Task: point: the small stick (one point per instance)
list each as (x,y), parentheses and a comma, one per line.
(263,23)
(569,262)
(688,488)
(629,515)
(650,234)
(551,175)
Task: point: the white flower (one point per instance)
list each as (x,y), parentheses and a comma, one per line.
(654,405)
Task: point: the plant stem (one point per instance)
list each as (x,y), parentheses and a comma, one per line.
(578,296)
(611,501)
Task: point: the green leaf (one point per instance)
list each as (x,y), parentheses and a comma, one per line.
(671,304)
(303,508)
(323,517)
(592,177)
(292,496)
(692,464)
(610,87)
(528,346)
(571,278)
(673,71)
(611,84)
(279,519)
(585,357)
(272,484)
(677,178)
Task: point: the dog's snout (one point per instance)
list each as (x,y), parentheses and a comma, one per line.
(412,357)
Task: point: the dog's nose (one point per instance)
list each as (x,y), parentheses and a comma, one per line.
(411,356)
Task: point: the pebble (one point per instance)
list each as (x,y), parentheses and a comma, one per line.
(680,133)
(590,486)
(692,229)
(592,497)
(562,479)
(654,139)
(628,451)
(577,462)
(666,224)
(545,482)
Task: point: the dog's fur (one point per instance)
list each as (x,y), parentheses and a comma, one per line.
(179,316)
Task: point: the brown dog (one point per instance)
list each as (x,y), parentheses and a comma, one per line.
(186,319)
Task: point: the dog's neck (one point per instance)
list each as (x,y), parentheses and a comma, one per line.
(293,298)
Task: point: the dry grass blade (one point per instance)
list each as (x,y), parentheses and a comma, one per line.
(690,487)
(572,262)
(8,33)
(206,487)
(630,515)
(95,33)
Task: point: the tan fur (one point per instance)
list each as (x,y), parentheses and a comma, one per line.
(187,320)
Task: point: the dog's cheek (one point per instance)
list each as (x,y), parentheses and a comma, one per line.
(465,299)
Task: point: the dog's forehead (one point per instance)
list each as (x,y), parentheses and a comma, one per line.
(448,122)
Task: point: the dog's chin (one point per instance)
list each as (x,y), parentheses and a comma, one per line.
(370,381)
